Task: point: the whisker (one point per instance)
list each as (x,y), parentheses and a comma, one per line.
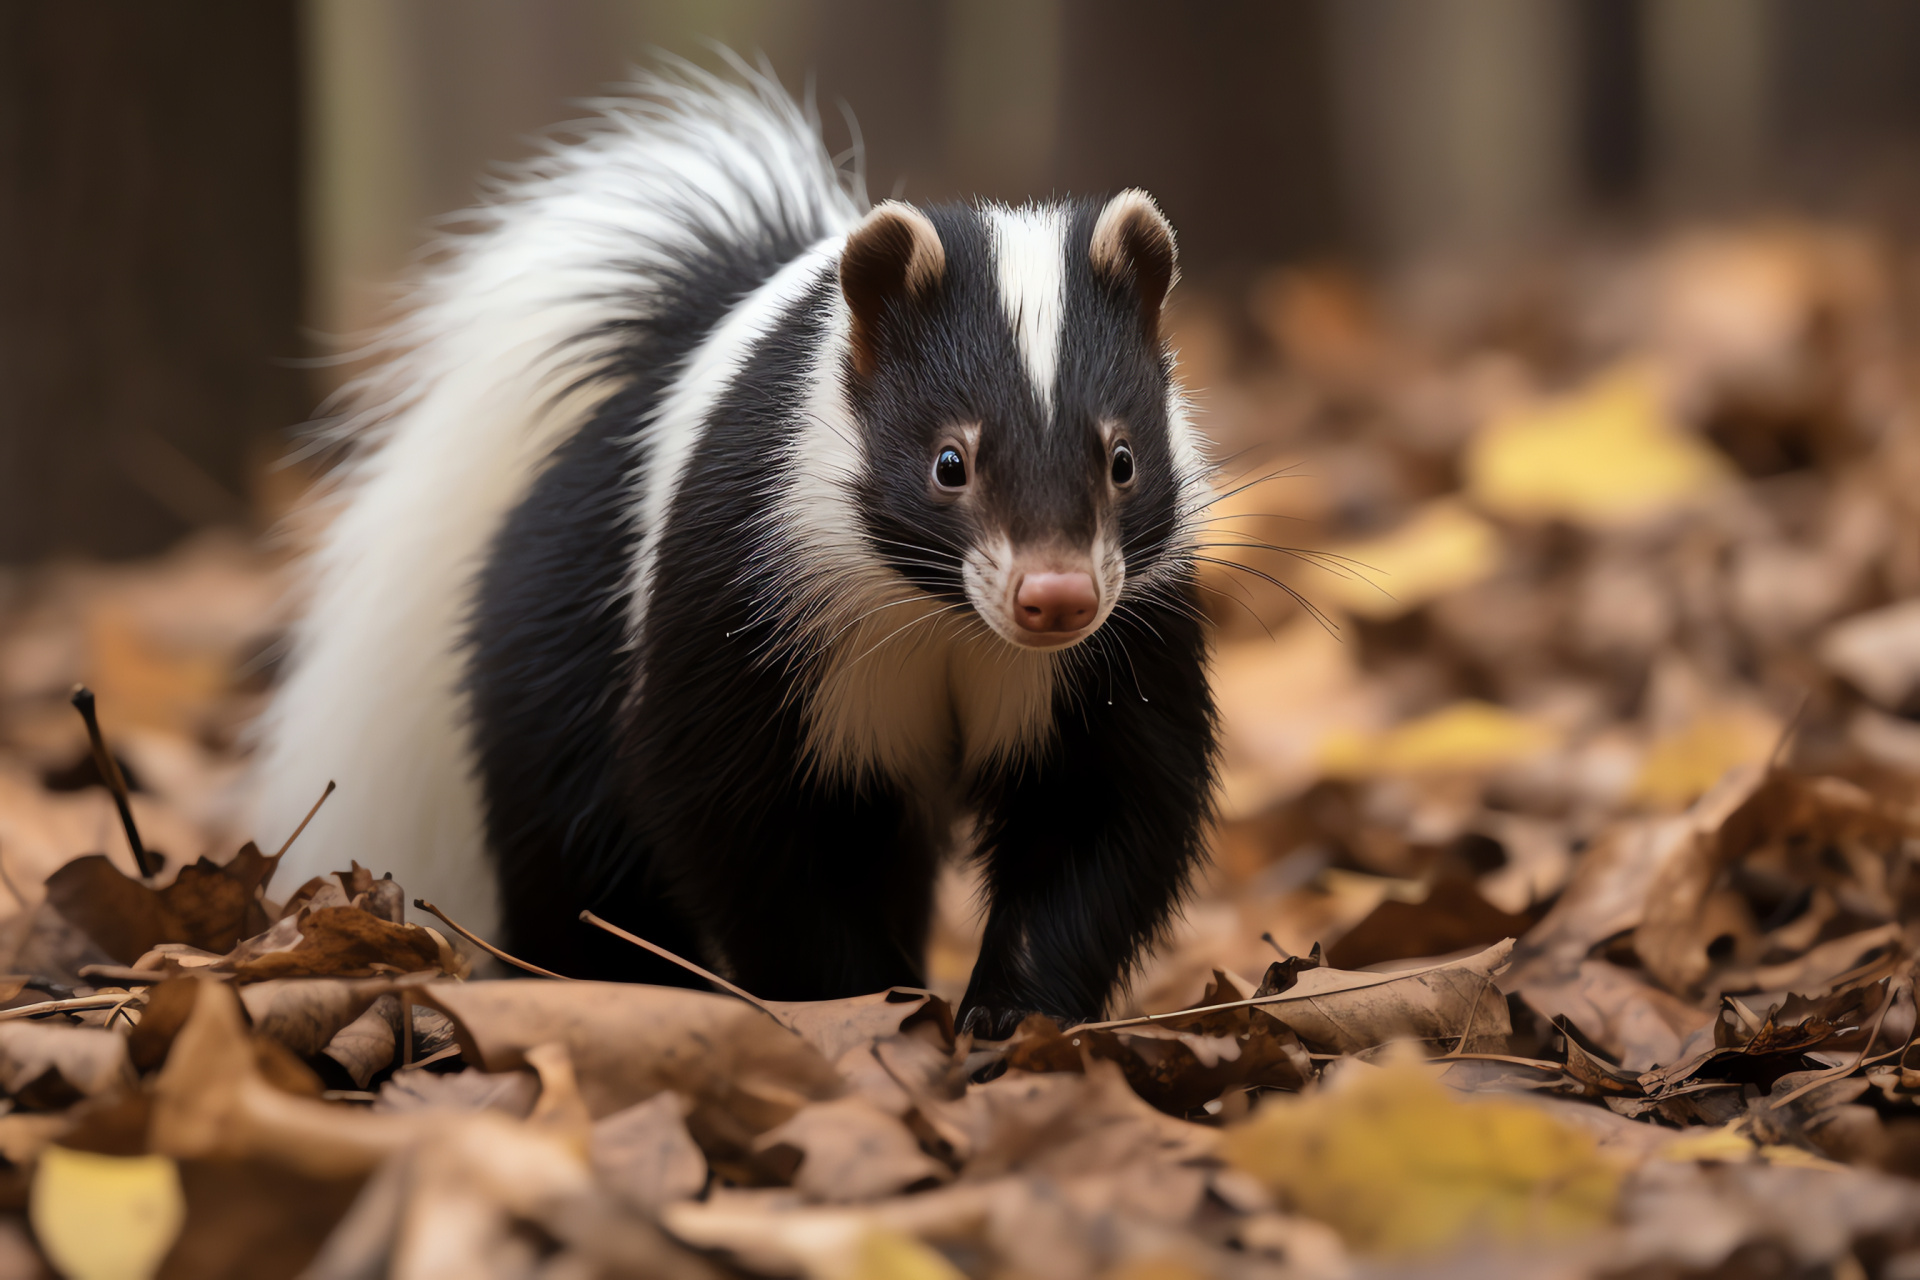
(1312,609)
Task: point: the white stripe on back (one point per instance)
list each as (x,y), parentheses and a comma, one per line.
(686,407)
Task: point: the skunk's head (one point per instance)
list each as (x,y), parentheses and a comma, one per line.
(1024,450)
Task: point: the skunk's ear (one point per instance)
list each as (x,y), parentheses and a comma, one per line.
(893,255)
(1133,245)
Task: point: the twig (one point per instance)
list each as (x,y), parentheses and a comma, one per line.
(62,1006)
(684,963)
(109,768)
(1473,1011)
(281,851)
(483,944)
(120,1010)
(1847,1069)
(1252,1002)
(451,1051)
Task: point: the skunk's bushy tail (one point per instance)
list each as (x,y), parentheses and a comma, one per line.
(513,334)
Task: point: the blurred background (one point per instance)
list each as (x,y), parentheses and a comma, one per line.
(197,198)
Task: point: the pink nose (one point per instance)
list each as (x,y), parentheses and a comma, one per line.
(1055,601)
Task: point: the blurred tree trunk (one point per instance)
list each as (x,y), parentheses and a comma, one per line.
(149,266)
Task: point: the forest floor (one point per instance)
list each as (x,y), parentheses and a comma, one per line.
(1562,919)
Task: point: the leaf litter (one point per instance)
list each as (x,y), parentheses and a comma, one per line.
(1562,920)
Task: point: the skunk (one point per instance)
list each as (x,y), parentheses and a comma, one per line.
(717,552)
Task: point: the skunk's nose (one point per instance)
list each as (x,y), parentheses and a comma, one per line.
(1055,602)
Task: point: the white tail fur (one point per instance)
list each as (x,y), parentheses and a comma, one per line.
(449,432)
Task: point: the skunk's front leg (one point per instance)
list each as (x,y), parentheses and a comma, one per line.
(1089,848)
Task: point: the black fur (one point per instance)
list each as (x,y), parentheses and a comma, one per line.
(691,813)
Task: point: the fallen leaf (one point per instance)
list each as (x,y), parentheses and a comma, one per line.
(1336,1011)
(346,942)
(305,1014)
(210,1101)
(645,1155)
(1063,1125)
(835,1026)
(1401,1166)
(1181,1063)
(208,905)
(1469,737)
(743,1071)
(54,1064)
(850,1150)
(512,1092)
(253,1218)
(1609,891)
(368,1044)
(106,1217)
(1879,654)
(1640,1024)
(1608,455)
(1681,767)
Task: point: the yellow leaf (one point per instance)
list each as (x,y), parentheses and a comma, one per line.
(1467,736)
(1608,455)
(106,1217)
(889,1255)
(1729,1144)
(1157,1269)
(1678,768)
(1442,547)
(1399,1164)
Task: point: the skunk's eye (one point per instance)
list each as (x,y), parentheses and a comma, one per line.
(950,470)
(1122,465)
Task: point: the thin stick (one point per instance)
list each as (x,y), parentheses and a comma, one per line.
(60,1006)
(304,821)
(486,946)
(684,963)
(109,768)
(1267,938)
(1254,1002)
(1847,1069)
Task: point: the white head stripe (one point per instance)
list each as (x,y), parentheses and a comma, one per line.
(1029,249)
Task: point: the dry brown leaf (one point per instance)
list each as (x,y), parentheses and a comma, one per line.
(835,1026)
(1062,1125)
(1455,1002)
(368,1044)
(346,942)
(1608,893)
(461,1202)
(743,1071)
(209,906)
(210,1100)
(1641,1025)
(849,1150)
(1879,654)
(50,1065)
(645,1155)
(1181,1063)
(1699,920)
(512,1092)
(831,1242)
(305,1014)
